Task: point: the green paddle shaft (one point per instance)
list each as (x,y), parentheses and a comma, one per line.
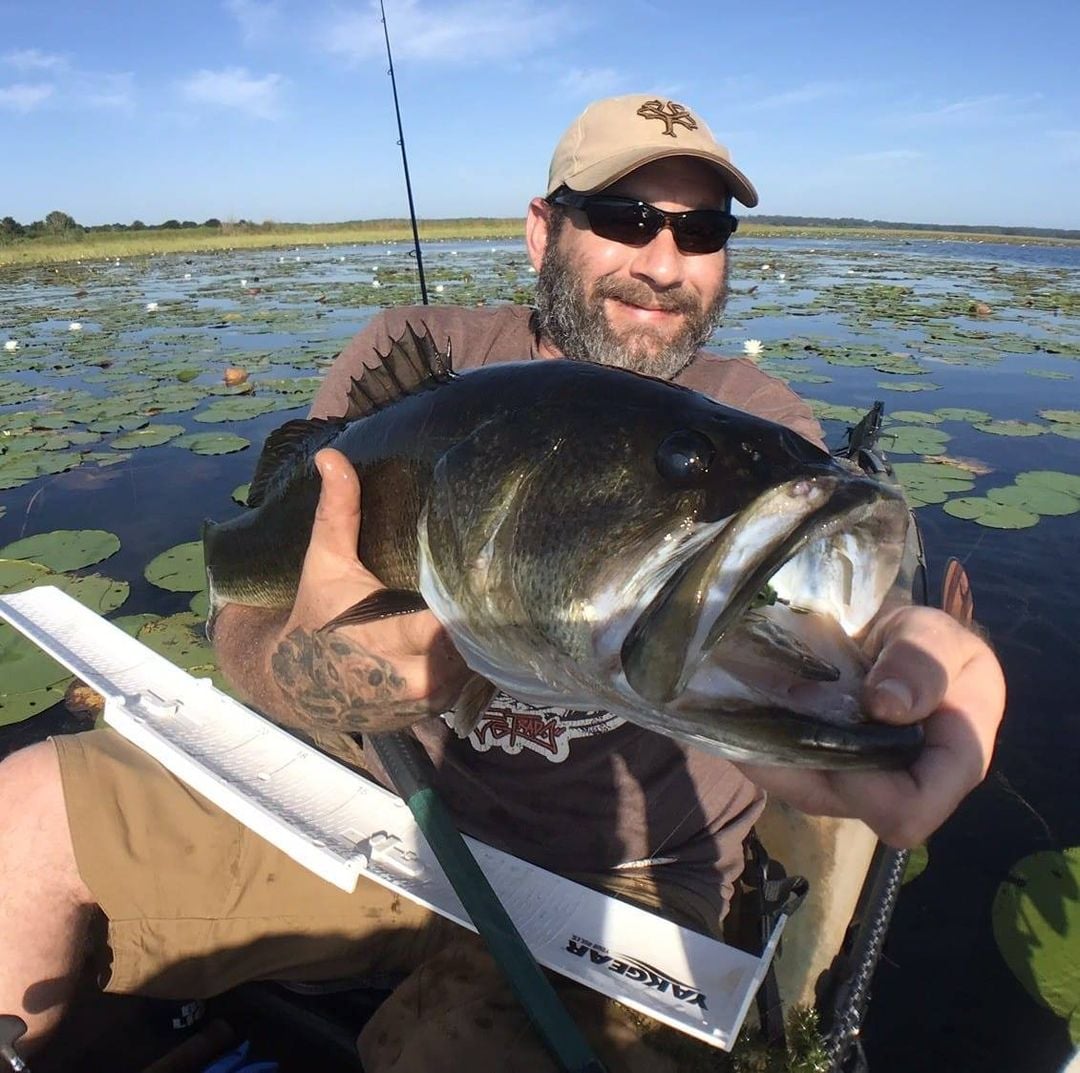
(411,770)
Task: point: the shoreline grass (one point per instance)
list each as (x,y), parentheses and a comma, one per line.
(106,245)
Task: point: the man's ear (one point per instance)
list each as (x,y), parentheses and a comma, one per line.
(537,230)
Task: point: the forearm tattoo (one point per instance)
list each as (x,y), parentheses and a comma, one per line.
(334,683)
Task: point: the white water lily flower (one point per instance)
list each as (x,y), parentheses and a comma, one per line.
(151,307)
(187,275)
(243,283)
(74,326)
(438,288)
(766,268)
(375,283)
(781,275)
(752,347)
(11,344)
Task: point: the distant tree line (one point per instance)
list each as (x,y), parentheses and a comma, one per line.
(889,225)
(64,226)
(61,225)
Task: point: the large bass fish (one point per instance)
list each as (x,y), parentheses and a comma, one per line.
(596,539)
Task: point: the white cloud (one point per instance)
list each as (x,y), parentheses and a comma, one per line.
(234,87)
(257,19)
(33,59)
(793,98)
(886,156)
(991,107)
(106,91)
(473,31)
(592,82)
(24,97)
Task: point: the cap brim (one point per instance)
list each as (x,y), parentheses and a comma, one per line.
(602,174)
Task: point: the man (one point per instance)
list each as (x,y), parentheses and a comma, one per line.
(635,276)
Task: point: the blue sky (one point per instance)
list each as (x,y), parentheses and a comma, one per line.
(949,112)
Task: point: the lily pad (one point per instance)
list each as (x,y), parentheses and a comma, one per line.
(64,549)
(180,569)
(17,574)
(212,443)
(1036,499)
(1069,483)
(1065,417)
(1011,427)
(150,436)
(99,593)
(181,639)
(914,440)
(1036,921)
(959,413)
(15,707)
(236,409)
(131,624)
(925,482)
(989,513)
(908,385)
(916,417)
(240,493)
(200,604)
(24,667)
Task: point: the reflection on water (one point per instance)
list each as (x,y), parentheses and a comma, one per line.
(944,998)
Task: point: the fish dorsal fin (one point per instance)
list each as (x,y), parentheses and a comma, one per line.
(413,364)
(286,448)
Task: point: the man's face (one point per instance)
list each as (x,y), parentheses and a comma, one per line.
(646,308)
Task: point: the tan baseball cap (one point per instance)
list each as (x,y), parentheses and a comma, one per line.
(614,136)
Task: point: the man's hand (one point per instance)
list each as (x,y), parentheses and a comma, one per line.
(928,668)
(375,677)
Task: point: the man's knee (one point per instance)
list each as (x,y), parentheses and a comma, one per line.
(37,836)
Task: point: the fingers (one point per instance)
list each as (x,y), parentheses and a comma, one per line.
(921,652)
(336,529)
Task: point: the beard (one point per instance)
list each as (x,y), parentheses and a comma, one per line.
(574,320)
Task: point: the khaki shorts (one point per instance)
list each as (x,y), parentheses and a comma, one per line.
(196,903)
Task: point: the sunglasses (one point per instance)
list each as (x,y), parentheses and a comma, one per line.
(635,223)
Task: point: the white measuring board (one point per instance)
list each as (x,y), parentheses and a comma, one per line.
(344,827)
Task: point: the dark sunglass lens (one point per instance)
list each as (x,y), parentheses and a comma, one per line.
(703,231)
(628,222)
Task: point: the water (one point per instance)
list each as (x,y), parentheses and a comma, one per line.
(943,998)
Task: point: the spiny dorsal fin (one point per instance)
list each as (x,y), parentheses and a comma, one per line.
(414,363)
(286,448)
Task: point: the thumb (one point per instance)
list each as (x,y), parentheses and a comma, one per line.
(336,528)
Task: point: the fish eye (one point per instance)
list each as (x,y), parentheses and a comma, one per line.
(683,458)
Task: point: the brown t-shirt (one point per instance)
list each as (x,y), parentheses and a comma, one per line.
(583,792)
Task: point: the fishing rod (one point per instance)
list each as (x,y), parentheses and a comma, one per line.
(412,773)
(404,157)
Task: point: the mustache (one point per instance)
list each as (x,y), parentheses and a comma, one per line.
(677,300)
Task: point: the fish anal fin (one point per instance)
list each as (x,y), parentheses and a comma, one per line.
(412,364)
(286,449)
(383,603)
(471,705)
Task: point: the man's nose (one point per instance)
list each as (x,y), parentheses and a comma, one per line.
(659,261)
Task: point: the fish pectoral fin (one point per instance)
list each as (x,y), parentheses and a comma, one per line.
(471,704)
(383,603)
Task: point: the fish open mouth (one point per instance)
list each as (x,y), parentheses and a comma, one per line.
(763,620)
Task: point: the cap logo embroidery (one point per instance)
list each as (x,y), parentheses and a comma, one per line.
(670,114)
